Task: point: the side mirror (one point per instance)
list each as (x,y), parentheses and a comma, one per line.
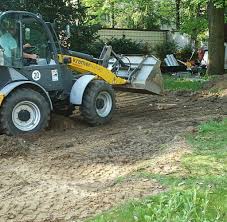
(68,31)
(27,33)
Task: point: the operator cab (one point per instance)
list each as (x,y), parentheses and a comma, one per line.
(28,46)
(23,41)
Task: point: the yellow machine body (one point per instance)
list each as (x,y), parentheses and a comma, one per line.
(2,96)
(84,66)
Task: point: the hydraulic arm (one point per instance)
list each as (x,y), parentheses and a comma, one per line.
(84,66)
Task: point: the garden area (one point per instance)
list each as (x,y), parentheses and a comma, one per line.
(160,157)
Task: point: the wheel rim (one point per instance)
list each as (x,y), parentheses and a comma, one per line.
(103,104)
(26,116)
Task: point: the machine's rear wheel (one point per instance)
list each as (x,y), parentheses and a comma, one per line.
(98,103)
(24,111)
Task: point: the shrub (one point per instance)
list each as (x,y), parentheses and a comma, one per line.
(83,37)
(120,46)
(96,47)
(185,53)
(163,49)
(127,46)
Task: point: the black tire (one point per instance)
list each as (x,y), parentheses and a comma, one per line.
(24,111)
(98,103)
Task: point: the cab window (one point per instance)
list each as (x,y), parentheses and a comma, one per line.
(10,40)
(37,49)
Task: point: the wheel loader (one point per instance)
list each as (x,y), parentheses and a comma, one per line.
(38,77)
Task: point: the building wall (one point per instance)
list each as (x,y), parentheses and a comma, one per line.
(152,38)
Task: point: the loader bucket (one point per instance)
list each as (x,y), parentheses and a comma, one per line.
(142,72)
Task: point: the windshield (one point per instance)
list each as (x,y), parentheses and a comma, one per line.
(9,40)
(55,38)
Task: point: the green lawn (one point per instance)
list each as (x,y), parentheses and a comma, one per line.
(199,195)
(176,84)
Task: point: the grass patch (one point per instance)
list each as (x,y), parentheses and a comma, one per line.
(182,84)
(211,139)
(206,165)
(175,206)
(198,195)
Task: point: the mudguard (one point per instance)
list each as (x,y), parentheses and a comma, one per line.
(5,91)
(77,91)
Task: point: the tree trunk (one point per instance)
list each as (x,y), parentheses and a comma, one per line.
(113,15)
(216,40)
(178,2)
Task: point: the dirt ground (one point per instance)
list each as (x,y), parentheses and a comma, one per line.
(72,172)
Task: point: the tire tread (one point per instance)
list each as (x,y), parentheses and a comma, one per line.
(5,128)
(87,110)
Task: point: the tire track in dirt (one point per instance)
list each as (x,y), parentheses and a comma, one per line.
(71,173)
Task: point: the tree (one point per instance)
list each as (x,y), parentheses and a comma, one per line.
(207,15)
(178,3)
(61,13)
(216,37)
(133,14)
(194,20)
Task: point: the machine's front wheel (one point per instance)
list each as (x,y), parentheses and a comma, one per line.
(98,103)
(24,111)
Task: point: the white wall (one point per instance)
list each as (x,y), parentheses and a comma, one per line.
(152,38)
